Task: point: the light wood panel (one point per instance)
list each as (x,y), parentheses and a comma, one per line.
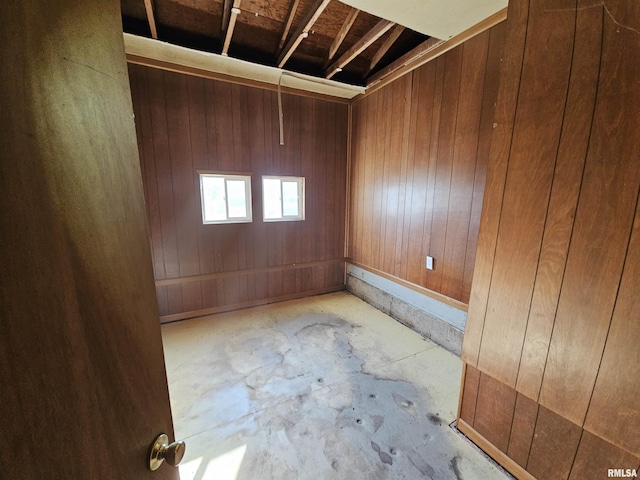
(505,111)
(553,311)
(187,123)
(534,145)
(563,202)
(415,160)
(606,207)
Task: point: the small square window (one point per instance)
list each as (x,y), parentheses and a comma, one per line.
(283,198)
(225,198)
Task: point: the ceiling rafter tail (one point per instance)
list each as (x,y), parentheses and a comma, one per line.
(342,34)
(302,31)
(235,11)
(148,6)
(360,46)
(384,48)
(292,13)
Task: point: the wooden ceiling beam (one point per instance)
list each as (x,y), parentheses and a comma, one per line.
(302,32)
(235,11)
(342,34)
(148,6)
(384,48)
(360,46)
(287,26)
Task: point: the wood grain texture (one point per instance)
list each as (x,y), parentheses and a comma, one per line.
(415,159)
(604,217)
(80,351)
(469,394)
(524,422)
(596,456)
(564,199)
(494,411)
(505,110)
(613,412)
(554,446)
(532,159)
(188,123)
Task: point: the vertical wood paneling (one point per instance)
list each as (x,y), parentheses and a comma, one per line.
(561,271)
(596,456)
(474,62)
(602,227)
(494,411)
(564,199)
(414,161)
(491,82)
(188,123)
(613,412)
(522,428)
(555,443)
(470,395)
(532,159)
(505,112)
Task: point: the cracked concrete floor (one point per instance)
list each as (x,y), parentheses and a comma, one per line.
(325,387)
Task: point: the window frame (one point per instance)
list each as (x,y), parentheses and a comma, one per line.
(246,177)
(301,199)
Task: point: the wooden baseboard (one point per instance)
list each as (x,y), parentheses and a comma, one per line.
(491,450)
(417,288)
(253,303)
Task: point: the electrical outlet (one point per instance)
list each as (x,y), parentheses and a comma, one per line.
(429,263)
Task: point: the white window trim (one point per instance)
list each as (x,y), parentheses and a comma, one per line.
(301,196)
(227,176)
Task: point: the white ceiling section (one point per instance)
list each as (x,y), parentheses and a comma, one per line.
(441,19)
(210,62)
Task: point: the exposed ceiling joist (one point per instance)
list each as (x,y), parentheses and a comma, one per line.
(384,48)
(148,6)
(303,31)
(287,27)
(346,26)
(235,11)
(360,46)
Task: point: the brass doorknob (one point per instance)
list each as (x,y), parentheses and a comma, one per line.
(162,450)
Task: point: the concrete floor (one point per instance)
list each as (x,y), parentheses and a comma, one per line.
(326,387)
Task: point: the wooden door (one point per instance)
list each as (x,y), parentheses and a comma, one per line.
(83,389)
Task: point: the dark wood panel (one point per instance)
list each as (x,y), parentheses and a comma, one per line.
(494,411)
(524,422)
(470,394)
(187,123)
(80,350)
(596,456)
(536,134)
(412,188)
(554,446)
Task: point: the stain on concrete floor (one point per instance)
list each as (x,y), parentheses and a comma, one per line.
(320,388)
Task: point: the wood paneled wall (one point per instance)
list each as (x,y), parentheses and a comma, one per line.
(554,315)
(418,161)
(186,123)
